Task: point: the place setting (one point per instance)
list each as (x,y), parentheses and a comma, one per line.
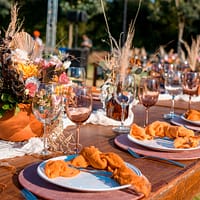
(176,139)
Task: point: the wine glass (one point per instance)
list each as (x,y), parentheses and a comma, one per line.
(46,106)
(148,92)
(78,108)
(173,86)
(77,75)
(124,94)
(190,85)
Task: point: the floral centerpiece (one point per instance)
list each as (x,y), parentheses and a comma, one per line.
(21,71)
(121,60)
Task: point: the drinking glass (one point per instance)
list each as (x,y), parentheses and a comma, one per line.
(190,85)
(78,108)
(173,86)
(124,94)
(77,75)
(46,106)
(148,92)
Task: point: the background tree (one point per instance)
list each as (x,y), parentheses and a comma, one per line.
(178,16)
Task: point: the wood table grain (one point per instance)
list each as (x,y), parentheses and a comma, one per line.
(168,181)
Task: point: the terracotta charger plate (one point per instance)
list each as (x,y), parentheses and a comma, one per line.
(123,142)
(30,180)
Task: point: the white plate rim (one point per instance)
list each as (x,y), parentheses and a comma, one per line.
(151,144)
(79,188)
(190,121)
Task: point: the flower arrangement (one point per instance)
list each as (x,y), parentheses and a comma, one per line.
(121,59)
(22,68)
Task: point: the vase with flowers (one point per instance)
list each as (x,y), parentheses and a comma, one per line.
(21,71)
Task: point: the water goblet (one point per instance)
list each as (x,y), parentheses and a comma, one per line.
(173,86)
(190,85)
(46,106)
(148,92)
(77,75)
(78,107)
(124,94)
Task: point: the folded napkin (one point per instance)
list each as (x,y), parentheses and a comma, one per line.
(183,97)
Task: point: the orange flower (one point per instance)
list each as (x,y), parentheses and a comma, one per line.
(28,70)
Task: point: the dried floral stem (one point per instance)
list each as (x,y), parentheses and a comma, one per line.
(14,26)
(121,53)
(193,51)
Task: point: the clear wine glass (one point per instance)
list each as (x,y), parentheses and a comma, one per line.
(173,86)
(148,92)
(46,106)
(124,94)
(77,75)
(78,108)
(190,85)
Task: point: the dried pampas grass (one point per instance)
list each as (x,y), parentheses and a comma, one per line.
(120,53)
(19,39)
(193,52)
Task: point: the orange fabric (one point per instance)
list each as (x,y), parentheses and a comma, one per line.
(20,127)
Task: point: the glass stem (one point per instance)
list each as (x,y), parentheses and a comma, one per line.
(123,114)
(189,102)
(77,138)
(45,151)
(172,106)
(146,116)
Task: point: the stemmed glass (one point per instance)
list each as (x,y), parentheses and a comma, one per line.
(148,92)
(46,106)
(77,75)
(173,86)
(78,108)
(190,85)
(124,94)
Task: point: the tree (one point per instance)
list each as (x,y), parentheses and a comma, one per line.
(182,13)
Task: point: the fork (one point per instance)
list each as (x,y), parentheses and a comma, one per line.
(136,155)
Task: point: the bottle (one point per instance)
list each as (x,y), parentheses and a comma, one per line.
(114,110)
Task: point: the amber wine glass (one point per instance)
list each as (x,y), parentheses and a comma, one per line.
(190,85)
(78,107)
(148,93)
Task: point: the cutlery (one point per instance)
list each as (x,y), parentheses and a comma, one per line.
(93,171)
(135,155)
(28,195)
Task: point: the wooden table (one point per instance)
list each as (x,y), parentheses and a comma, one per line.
(168,181)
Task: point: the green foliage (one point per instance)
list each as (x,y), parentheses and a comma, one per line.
(8,103)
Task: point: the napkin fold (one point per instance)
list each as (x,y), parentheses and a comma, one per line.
(13,149)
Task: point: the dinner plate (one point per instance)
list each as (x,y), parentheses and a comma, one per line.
(84,181)
(180,122)
(190,121)
(160,144)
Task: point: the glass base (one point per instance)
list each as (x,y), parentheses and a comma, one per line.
(121,129)
(170,116)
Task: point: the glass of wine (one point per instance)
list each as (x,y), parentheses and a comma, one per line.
(77,75)
(148,92)
(173,86)
(78,108)
(190,85)
(124,94)
(46,106)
